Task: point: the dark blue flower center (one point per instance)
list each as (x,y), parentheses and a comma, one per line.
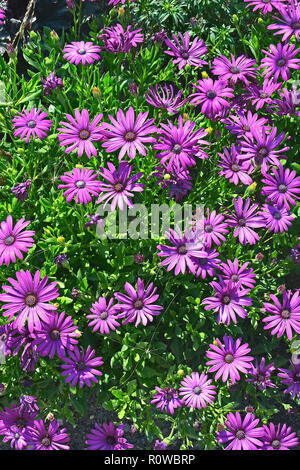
(81,51)
(9,240)
(208,228)
(211,94)
(31,300)
(55,335)
(185,55)
(242,222)
(31,124)
(240,434)
(234,278)
(118,187)
(285,314)
(281,62)
(295,25)
(282,188)
(229,358)
(181,250)
(103,315)
(277,215)
(130,136)
(80,184)
(138,304)
(177,148)
(226,300)
(46,441)
(197,390)
(276,444)
(263,95)
(84,134)
(235,70)
(111,440)
(81,365)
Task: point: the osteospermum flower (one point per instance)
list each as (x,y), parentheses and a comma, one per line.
(81,52)
(291,378)
(266,5)
(186,247)
(283,187)
(6,332)
(234,69)
(163,97)
(51,83)
(241,434)
(166,399)
(212,96)
(289,23)
(80,134)
(13,240)
(278,439)
(33,123)
(21,190)
(38,437)
(81,367)
(23,338)
(211,227)
(81,183)
(228,301)
(229,359)
(277,219)
(259,95)
(184,53)
(245,219)
(116,39)
(262,149)
(28,298)
(57,334)
(138,305)
(128,134)
(261,375)
(279,61)
(287,104)
(13,424)
(235,169)
(107,438)
(119,187)
(284,317)
(207,265)
(2,16)
(178,145)
(239,275)
(103,316)
(243,124)
(176,178)
(197,391)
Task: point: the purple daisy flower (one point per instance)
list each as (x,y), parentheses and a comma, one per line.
(107,438)
(207,265)
(245,219)
(291,378)
(276,218)
(212,228)
(179,144)
(184,53)
(239,275)
(261,375)
(23,338)
(80,366)
(2,16)
(234,69)
(119,187)
(6,332)
(176,178)
(262,149)
(228,301)
(284,317)
(13,424)
(159,445)
(278,439)
(235,169)
(21,190)
(128,134)
(281,188)
(289,23)
(243,124)
(81,183)
(242,434)
(163,97)
(28,298)
(80,134)
(167,399)
(279,61)
(51,83)
(81,52)
(266,5)
(40,438)
(229,359)
(259,95)
(13,240)
(197,391)
(31,123)
(186,247)
(211,95)
(138,305)
(116,39)
(103,316)
(287,104)
(57,334)
(29,403)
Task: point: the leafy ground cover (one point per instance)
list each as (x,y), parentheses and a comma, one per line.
(189,336)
